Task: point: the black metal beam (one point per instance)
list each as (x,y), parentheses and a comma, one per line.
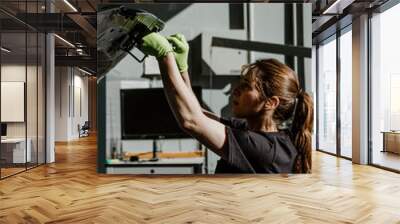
(283,49)
(236,16)
(49,22)
(101,125)
(385,6)
(201,72)
(329,29)
(289,32)
(81,61)
(10,25)
(300,42)
(88,51)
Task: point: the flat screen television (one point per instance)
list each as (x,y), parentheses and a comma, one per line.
(145,114)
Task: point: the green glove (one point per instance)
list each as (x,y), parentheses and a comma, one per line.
(181,50)
(156,45)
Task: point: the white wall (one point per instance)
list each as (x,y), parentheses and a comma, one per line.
(70,84)
(61,103)
(80,104)
(268,26)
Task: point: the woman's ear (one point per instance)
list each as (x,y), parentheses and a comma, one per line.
(272,103)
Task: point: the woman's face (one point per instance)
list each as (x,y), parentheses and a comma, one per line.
(246,101)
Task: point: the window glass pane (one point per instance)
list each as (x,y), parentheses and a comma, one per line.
(31,97)
(41,98)
(385,84)
(14,148)
(22,86)
(13,80)
(345,94)
(327,97)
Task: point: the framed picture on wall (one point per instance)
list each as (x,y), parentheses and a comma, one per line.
(12,101)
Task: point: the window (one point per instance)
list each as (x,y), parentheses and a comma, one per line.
(346,93)
(385,89)
(327,96)
(22,75)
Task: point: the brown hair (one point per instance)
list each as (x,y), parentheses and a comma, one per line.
(274,78)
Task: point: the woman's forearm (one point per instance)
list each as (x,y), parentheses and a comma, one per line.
(183,102)
(186,79)
(187,109)
(181,99)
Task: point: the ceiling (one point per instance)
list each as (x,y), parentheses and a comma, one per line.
(76,22)
(332,15)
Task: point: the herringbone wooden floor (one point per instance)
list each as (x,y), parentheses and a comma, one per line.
(70,191)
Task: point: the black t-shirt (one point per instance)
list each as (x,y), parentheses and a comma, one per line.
(249,151)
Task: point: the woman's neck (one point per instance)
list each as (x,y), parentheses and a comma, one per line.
(262,123)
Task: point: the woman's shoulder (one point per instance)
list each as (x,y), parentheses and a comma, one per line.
(279,137)
(272,134)
(234,122)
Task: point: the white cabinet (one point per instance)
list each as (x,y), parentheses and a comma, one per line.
(162,166)
(150,170)
(17,147)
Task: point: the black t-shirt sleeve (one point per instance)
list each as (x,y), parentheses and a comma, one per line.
(247,151)
(234,122)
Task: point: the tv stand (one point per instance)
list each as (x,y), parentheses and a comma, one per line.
(168,163)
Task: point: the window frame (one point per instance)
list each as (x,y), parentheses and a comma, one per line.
(334,37)
(379,10)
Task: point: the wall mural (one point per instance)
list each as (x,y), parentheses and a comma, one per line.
(221,38)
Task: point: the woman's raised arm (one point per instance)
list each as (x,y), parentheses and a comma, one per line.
(181,99)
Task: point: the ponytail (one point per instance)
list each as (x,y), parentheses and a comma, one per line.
(295,110)
(301,129)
